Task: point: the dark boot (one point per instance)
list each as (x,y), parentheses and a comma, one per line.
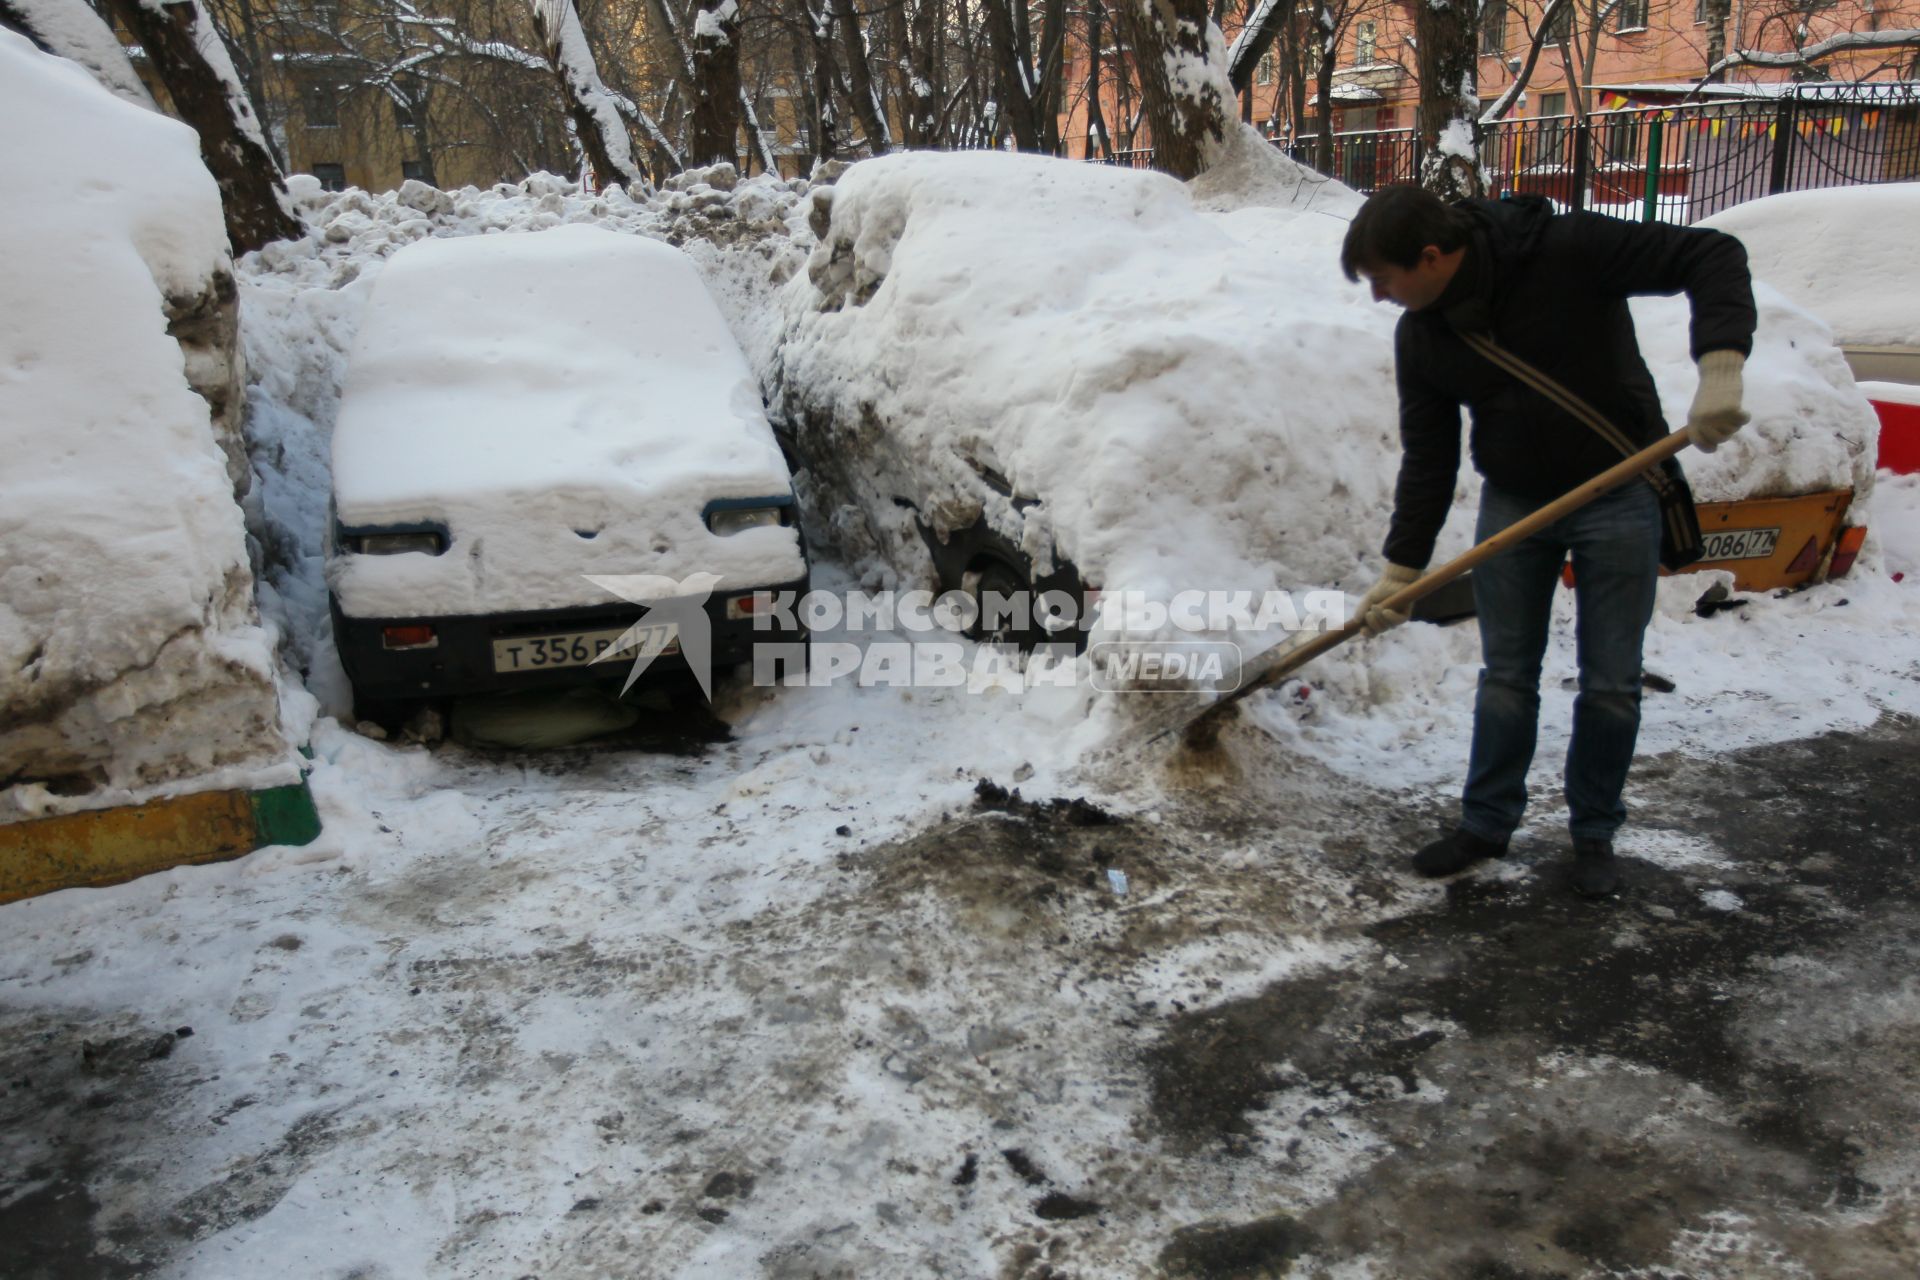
(1456,852)
(1594,874)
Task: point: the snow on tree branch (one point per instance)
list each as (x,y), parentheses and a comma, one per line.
(1504,103)
(71,29)
(1903,38)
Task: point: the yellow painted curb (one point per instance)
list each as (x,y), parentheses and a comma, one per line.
(108,846)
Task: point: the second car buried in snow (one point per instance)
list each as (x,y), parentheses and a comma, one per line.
(540,436)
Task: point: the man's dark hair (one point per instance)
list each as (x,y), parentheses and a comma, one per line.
(1395,224)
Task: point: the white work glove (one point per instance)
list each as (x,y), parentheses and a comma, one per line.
(1716,413)
(1374,618)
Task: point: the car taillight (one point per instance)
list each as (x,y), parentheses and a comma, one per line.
(416,636)
(1844,551)
(393,544)
(739,607)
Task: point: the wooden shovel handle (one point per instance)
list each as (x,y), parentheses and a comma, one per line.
(1278,663)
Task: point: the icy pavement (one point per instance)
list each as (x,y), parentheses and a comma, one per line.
(812,1002)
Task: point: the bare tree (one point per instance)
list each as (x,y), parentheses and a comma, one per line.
(192,63)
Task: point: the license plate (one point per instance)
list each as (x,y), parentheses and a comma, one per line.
(1740,544)
(579,648)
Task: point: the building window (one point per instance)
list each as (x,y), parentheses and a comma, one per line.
(409,98)
(1631,16)
(412,171)
(1562,28)
(333,177)
(1263,70)
(1366,36)
(320,104)
(1622,143)
(1702,12)
(1493,27)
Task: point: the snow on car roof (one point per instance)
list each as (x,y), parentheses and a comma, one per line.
(1827,250)
(568,358)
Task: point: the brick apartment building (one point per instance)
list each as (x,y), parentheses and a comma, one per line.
(1615,52)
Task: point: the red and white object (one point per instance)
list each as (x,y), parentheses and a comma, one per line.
(1898,405)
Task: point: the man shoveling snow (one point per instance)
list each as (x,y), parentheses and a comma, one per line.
(1521,315)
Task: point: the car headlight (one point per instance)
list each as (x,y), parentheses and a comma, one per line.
(392,544)
(734,519)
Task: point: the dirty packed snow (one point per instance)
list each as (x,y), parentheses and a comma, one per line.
(562,404)
(131,656)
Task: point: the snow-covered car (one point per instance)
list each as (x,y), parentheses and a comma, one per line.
(1821,249)
(1018,368)
(540,436)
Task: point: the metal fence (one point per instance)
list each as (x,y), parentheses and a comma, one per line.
(1674,164)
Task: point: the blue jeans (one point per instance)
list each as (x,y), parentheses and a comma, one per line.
(1615,543)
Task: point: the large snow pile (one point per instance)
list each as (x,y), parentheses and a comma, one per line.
(570,401)
(1840,253)
(1186,402)
(130,654)
(1198,398)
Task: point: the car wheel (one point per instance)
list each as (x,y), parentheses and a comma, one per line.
(388,713)
(992,580)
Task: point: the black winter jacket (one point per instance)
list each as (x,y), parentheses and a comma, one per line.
(1552,289)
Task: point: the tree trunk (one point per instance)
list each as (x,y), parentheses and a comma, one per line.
(826,119)
(860,94)
(1297,85)
(251,192)
(1448,32)
(72,30)
(1053,44)
(922,125)
(1324,31)
(1012,72)
(715,56)
(596,120)
(1189,114)
(1096,114)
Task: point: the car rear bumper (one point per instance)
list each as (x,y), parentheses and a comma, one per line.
(459,661)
